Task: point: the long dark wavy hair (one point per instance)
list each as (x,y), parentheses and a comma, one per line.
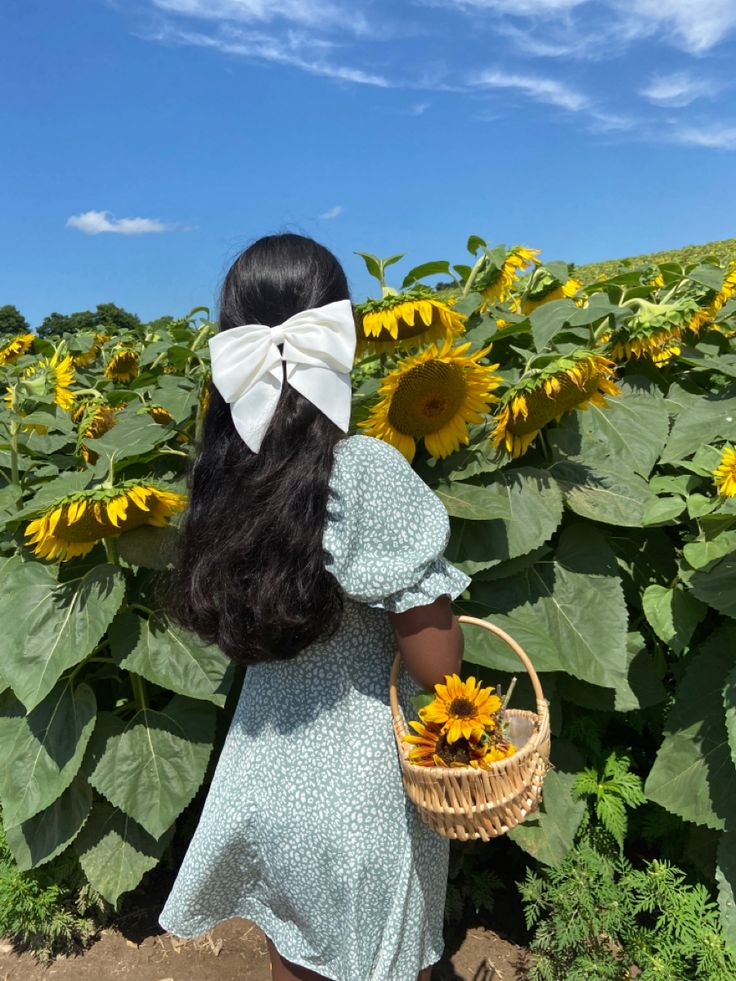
(249,572)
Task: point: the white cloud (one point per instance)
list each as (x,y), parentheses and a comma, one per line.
(332,213)
(516,8)
(715,137)
(97,222)
(693,25)
(676,90)
(547,90)
(293,49)
(309,13)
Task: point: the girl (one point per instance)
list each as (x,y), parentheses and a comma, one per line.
(311,557)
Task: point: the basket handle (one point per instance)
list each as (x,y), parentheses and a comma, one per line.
(515,647)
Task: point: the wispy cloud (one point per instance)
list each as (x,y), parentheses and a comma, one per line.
(517,8)
(310,13)
(676,90)
(547,90)
(293,49)
(711,137)
(332,213)
(694,26)
(99,222)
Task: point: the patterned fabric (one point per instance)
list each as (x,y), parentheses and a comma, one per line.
(306,829)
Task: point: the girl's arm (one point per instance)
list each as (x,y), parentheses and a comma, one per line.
(430,641)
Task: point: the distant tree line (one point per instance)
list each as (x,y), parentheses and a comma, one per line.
(107,315)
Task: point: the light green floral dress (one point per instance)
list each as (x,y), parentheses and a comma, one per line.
(306,829)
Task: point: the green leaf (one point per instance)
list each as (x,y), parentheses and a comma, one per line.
(52,490)
(640,689)
(115,852)
(726,879)
(424,270)
(47,834)
(714,584)
(662,510)
(153,769)
(50,626)
(549,319)
(707,275)
(673,614)
(729,704)
(711,417)
(615,497)
(133,434)
(170,657)
(42,751)
(700,554)
(549,834)
(693,775)
(521,509)
(149,547)
(372,264)
(176,395)
(626,436)
(569,615)
(475,242)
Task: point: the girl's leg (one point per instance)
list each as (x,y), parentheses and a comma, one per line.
(283,970)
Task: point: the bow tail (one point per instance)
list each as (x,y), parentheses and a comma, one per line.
(252,411)
(329,390)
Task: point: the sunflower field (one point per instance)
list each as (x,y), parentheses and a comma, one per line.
(582,440)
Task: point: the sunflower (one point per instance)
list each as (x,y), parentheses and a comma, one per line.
(554,291)
(160,415)
(573,381)
(11,350)
(461,708)
(95,418)
(433,394)
(654,331)
(74,524)
(724,475)
(405,320)
(85,358)
(122,366)
(54,374)
(433,748)
(707,314)
(494,282)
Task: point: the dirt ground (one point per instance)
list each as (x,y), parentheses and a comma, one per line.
(234,951)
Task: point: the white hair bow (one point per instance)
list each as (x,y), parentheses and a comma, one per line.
(319,350)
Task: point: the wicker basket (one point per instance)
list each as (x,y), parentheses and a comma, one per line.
(464,802)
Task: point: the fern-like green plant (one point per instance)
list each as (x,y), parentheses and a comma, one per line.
(598,917)
(50,910)
(612,789)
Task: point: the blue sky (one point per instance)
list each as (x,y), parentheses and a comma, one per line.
(145,142)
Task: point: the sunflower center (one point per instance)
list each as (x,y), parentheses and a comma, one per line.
(457,752)
(462,708)
(427,397)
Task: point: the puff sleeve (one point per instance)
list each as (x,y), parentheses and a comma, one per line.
(386,530)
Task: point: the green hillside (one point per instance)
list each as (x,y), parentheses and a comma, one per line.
(724,250)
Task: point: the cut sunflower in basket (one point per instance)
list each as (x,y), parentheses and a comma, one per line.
(463,725)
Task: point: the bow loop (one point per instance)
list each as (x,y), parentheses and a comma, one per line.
(319,350)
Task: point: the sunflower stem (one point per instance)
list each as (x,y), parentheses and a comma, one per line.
(14,473)
(87,391)
(509,693)
(111,549)
(200,334)
(139,691)
(473,273)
